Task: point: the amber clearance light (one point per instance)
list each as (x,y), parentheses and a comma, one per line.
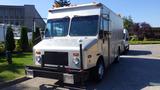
(76,54)
(38,52)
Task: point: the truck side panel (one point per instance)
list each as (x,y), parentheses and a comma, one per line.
(116,29)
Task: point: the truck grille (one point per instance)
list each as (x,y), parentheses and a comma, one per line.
(56,58)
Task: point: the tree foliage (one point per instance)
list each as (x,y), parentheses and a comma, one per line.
(142,30)
(137,31)
(128,23)
(145,28)
(62,3)
(24,39)
(10,42)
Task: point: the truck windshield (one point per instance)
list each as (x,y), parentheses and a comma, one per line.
(84,26)
(57,27)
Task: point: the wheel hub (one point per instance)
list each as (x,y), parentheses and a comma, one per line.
(101,71)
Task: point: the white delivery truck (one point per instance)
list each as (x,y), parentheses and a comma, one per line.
(126,40)
(79,41)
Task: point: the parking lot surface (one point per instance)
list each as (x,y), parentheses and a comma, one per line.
(138,70)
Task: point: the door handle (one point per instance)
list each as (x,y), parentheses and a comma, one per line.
(103,40)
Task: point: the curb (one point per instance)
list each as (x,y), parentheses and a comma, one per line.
(13,82)
(143,57)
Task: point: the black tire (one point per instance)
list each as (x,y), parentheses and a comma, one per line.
(125,51)
(118,57)
(99,71)
(127,48)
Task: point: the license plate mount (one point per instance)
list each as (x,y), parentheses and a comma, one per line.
(68,78)
(29,73)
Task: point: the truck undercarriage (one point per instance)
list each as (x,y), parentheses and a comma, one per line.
(65,75)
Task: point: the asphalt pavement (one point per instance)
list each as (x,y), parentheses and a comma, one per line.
(138,70)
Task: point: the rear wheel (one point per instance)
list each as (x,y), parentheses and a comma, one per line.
(127,48)
(117,57)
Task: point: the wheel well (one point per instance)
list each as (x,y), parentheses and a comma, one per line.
(100,59)
(119,49)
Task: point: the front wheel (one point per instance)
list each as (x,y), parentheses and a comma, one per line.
(100,70)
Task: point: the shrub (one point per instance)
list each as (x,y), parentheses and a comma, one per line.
(24,39)
(18,47)
(2,48)
(10,42)
(134,38)
(145,39)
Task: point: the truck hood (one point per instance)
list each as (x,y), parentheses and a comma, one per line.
(65,44)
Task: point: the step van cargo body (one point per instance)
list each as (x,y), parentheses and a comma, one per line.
(80,41)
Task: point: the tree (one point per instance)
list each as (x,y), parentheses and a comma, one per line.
(136,28)
(137,31)
(24,39)
(145,28)
(10,42)
(128,23)
(62,3)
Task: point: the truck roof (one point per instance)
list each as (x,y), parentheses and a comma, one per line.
(76,6)
(79,10)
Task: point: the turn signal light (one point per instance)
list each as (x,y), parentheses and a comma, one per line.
(38,52)
(76,54)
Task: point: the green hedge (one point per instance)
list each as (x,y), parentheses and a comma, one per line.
(2,47)
(144,42)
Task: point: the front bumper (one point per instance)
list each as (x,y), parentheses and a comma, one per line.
(57,73)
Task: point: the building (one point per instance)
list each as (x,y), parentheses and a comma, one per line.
(21,15)
(2,32)
(156,32)
(16,32)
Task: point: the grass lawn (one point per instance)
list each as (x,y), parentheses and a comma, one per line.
(16,70)
(144,42)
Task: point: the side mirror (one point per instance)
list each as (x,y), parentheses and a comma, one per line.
(100,34)
(127,39)
(42,34)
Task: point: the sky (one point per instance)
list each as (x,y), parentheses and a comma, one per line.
(140,10)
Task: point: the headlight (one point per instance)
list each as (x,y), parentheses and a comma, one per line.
(38,59)
(76,60)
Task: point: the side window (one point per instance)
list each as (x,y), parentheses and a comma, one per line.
(101,25)
(48,30)
(106,25)
(104,28)
(123,36)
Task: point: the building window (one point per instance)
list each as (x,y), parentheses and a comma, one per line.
(11,22)
(17,23)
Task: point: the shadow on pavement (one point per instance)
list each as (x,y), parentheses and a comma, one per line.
(46,87)
(129,74)
(138,52)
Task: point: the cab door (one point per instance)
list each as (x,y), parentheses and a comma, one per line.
(104,30)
